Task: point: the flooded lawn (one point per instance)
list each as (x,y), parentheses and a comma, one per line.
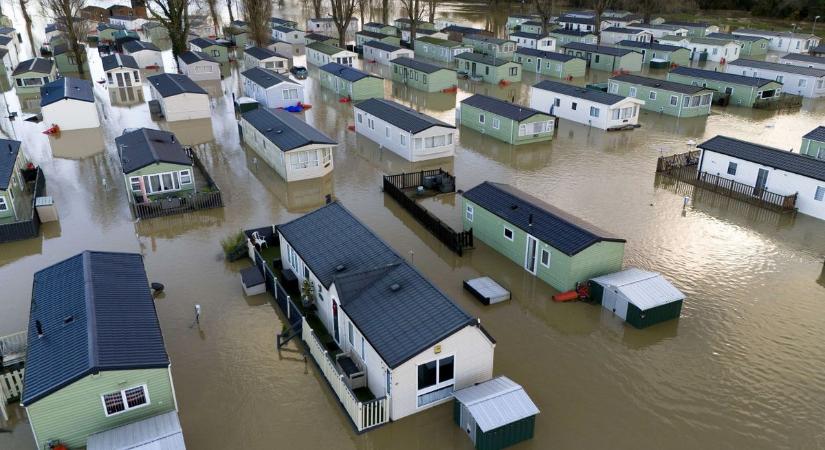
(744,367)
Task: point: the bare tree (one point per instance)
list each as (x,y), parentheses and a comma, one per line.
(363,7)
(66,15)
(174,16)
(431,4)
(257,14)
(645,8)
(229,7)
(385,12)
(24,9)
(545,9)
(213,13)
(342,12)
(413,11)
(318,8)
(599,6)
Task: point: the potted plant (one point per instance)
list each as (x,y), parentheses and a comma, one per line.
(307,293)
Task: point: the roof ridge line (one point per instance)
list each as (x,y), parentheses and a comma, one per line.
(91,319)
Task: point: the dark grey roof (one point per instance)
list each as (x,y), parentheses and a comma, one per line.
(415,64)
(346,72)
(265,78)
(804,165)
(581,20)
(372,34)
(779,67)
(532,23)
(382,46)
(4,40)
(399,115)
(60,49)
(145,146)
(37,65)
(565,232)
(97,314)
(280,21)
(138,46)
(483,59)
(804,58)
(555,56)
(8,156)
(67,88)
(108,26)
(576,33)
(123,17)
(602,49)
(285,130)
(205,42)
(117,60)
(7,30)
(375,25)
(261,53)
(190,57)
(169,84)
(488,39)
(526,35)
(722,76)
(593,95)
(687,24)
(650,46)
(734,37)
(501,107)
(461,29)
(787,34)
(284,29)
(622,30)
(672,86)
(398,310)
(317,37)
(817,134)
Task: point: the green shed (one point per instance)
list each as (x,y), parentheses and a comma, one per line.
(505,121)
(488,68)
(639,297)
(495,414)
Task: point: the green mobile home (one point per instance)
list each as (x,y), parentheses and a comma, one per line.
(65,61)
(505,121)
(607,58)
(362,37)
(319,54)
(662,96)
(733,89)
(639,297)
(423,76)
(96,358)
(533,26)
(557,65)
(564,37)
(660,54)
(488,68)
(813,143)
(490,45)
(216,50)
(12,184)
(106,31)
(311,38)
(439,49)
(155,166)
(351,83)
(382,28)
(750,46)
(31,74)
(551,244)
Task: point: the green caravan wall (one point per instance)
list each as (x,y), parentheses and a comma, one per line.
(75,412)
(754,48)
(508,128)
(370,87)
(9,212)
(489,73)
(812,148)
(662,102)
(599,259)
(152,169)
(429,82)
(742,95)
(507,435)
(661,313)
(573,68)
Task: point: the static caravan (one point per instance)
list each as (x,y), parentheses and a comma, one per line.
(515,21)
(319,54)
(216,50)
(179,97)
(325,25)
(458,32)
(288,34)
(813,143)
(557,65)
(69,103)
(658,55)
(12,185)
(131,23)
(121,71)
(271,89)
(505,121)
(695,29)
(155,31)
(586,106)
(607,58)
(311,38)
(535,27)
(31,74)
(549,243)
(265,59)
(805,81)
(421,33)
(423,76)
(439,49)
(351,83)
(155,166)
(404,23)
(106,31)
(802,60)
(739,90)
(362,37)
(533,40)
(279,21)
(614,35)
(491,46)
(383,53)
(662,96)
(489,68)
(146,54)
(717,50)
(292,147)
(404,131)
(659,31)
(783,41)
(377,27)
(638,297)
(748,45)
(564,37)
(199,66)
(65,61)
(575,23)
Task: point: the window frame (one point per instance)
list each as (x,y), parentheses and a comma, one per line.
(469,213)
(123,398)
(820,193)
(4,206)
(543,252)
(512,234)
(439,384)
(732,168)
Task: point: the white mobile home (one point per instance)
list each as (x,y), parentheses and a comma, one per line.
(266,59)
(146,54)
(768,170)
(287,34)
(801,60)
(271,89)
(404,131)
(319,54)
(661,30)
(534,41)
(717,50)
(199,66)
(784,41)
(292,147)
(69,103)
(325,25)
(383,53)
(614,35)
(587,106)
(804,81)
(121,71)
(179,97)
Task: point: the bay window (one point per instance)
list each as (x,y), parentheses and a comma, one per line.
(436,380)
(162,182)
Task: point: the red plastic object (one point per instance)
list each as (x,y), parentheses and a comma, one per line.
(344,100)
(351,127)
(54,129)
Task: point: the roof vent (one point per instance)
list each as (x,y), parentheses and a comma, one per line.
(68,320)
(39,327)
(514,207)
(340,268)
(395,287)
(279,131)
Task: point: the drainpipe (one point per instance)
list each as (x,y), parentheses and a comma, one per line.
(511,130)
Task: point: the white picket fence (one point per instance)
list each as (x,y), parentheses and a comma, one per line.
(363,414)
(11,387)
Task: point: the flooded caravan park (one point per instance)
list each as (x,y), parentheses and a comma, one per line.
(744,367)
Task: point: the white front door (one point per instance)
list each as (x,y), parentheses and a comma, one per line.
(531,254)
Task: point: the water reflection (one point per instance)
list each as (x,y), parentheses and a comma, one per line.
(297,196)
(389,162)
(191,132)
(77,144)
(170,227)
(29,103)
(524,157)
(212,87)
(126,96)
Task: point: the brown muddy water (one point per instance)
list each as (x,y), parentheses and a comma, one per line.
(744,367)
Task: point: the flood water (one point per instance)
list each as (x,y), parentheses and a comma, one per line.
(743,368)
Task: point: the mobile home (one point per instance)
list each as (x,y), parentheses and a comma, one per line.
(271,89)
(351,83)
(423,76)
(69,103)
(505,121)
(804,81)
(586,106)
(558,65)
(489,68)
(180,98)
(739,90)
(319,54)
(662,96)
(607,58)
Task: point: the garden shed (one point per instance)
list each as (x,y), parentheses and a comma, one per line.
(495,414)
(639,297)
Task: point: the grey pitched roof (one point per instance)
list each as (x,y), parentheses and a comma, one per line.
(555,56)
(109,26)
(399,115)
(139,46)
(4,40)
(37,65)
(8,156)
(372,34)
(265,78)
(817,134)
(285,130)
(488,39)
(460,29)
(145,146)
(415,64)
(117,60)
(564,232)
(526,35)
(67,88)
(169,84)
(190,57)
(602,49)
(787,34)
(576,33)
(672,86)
(501,107)
(650,46)
(60,49)
(375,25)
(804,58)
(96,314)
(496,403)
(346,72)
(205,42)
(779,67)
(593,95)
(382,46)
(687,24)
(261,53)
(722,76)
(280,21)
(734,37)
(622,30)
(580,20)
(317,37)
(7,30)
(483,59)
(804,165)
(284,29)
(398,310)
